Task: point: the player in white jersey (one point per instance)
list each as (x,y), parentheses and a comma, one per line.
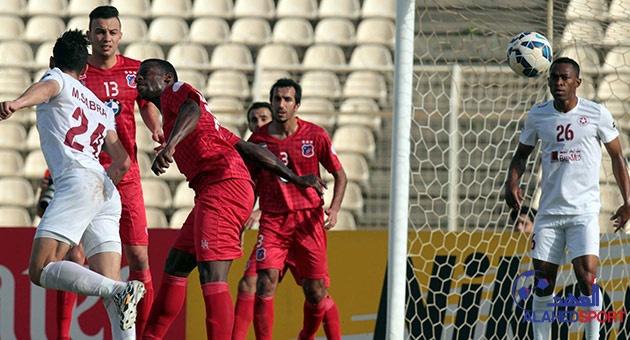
(73,126)
(570,129)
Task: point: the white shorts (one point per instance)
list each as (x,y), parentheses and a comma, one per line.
(85,208)
(552,233)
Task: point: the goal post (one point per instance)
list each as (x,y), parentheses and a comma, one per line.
(457,114)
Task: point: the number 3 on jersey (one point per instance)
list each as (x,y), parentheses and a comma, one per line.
(96,137)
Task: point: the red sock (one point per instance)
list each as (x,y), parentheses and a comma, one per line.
(65,304)
(263,317)
(144,307)
(331,319)
(219,310)
(243,315)
(313,316)
(167,305)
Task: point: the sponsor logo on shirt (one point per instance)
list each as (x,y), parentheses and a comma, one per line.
(308,150)
(583,121)
(204,244)
(566,156)
(113,104)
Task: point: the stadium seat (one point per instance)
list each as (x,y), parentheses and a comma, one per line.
(264,83)
(144,163)
(14,80)
(172,174)
(278,55)
(345,221)
(144,141)
(225,105)
(11,163)
(251,31)
(84,7)
(586,56)
(144,50)
(355,138)
(619,10)
(168,30)
(212,8)
(156,194)
(322,117)
(236,119)
(80,22)
(179,8)
(34,165)
(371,57)
(372,121)
(14,7)
(12,136)
(236,130)
(293,31)
(379,8)
(338,31)
(16,191)
(138,8)
(232,56)
(616,34)
(617,57)
(14,217)
(356,168)
(156,218)
(316,105)
(184,196)
(43,54)
(188,54)
(226,83)
(52,7)
(265,9)
(306,9)
(323,56)
(349,9)
(614,86)
(366,84)
(352,199)
(32,139)
(192,77)
(586,10)
(376,31)
(356,105)
(12,26)
(582,32)
(209,31)
(178,218)
(43,28)
(134,29)
(321,84)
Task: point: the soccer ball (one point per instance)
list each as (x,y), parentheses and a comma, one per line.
(529,54)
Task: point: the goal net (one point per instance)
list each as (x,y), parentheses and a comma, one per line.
(464,257)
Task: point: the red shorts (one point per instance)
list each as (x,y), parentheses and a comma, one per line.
(300,235)
(213,227)
(133,219)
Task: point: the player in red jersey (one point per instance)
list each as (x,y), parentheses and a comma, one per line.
(112,78)
(210,157)
(293,221)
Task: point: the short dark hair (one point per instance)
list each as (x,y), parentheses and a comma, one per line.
(70,51)
(258,105)
(286,82)
(103,12)
(163,65)
(567,60)
(525,210)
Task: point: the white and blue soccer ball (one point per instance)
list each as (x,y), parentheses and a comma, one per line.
(529,54)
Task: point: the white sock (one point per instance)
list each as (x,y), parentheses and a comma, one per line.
(592,327)
(114,320)
(542,330)
(73,277)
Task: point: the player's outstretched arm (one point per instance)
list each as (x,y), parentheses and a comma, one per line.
(339,189)
(151,118)
(620,170)
(185,124)
(120,159)
(268,161)
(513,193)
(34,95)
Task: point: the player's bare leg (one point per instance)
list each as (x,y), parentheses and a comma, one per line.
(266,287)
(544,271)
(585,268)
(244,309)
